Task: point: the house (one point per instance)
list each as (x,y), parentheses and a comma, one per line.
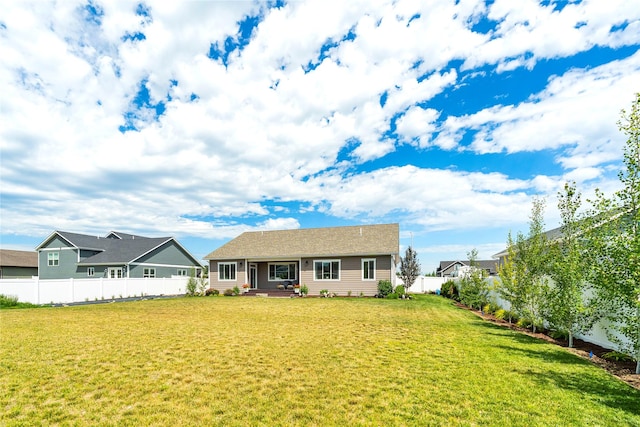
(452,268)
(18,264)
(65,255)
(338,259)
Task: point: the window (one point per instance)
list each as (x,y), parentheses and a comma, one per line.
(53,259)
(182,272)
(327,270)
(149,273)
(91,271)
(369,269)
(227,271)
(282,271)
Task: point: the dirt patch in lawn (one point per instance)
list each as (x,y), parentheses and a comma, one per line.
(624,370)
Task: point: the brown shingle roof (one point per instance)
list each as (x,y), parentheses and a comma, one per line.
(11,258)
(379,239)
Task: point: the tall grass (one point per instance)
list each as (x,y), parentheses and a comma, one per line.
(253,361)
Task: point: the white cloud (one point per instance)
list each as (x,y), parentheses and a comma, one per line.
(269,126)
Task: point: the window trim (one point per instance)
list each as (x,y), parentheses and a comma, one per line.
(330,262)
(91,271)
(375,265)
(288,264)
(148,272)
(53,259)
(235,271)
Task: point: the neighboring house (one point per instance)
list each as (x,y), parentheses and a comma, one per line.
(18,264)
(338,259)
(454,268)
(65,255)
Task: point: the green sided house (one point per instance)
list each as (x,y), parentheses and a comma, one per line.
(338,259)
(65,255)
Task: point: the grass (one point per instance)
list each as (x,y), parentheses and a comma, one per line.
(9,301)
(253,361)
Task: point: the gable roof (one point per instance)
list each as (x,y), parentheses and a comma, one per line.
(11,258)
(491,265)
(379,239)
(115,248)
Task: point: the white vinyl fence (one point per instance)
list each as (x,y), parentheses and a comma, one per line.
(597,335)
(425,284)
(38,291)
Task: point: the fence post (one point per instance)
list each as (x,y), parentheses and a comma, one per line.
(37,289)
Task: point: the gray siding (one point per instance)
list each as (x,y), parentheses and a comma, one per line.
(18,272)
(137,271)
(168,254)
(65,269)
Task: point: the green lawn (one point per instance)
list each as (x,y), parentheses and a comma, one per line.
(255,361)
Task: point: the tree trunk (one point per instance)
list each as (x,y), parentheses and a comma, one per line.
(570,339)
(638,367)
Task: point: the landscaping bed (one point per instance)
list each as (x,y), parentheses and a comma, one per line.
(623,369)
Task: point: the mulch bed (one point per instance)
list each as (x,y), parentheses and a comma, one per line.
(589,351)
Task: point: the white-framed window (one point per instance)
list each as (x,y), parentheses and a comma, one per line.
(328,269)
(282,271)
(227,271)
(182,272)
(91,271)
(149,273)
(53,259)
(368,269)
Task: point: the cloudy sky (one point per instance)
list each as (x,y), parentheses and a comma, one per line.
(204,119)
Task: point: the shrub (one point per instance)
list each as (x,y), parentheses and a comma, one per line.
(192,287)
(384,288)
(324,293)
(617,356)
(236,290)
(399,290)
(449,290)
(499,314)
(8,301)
(524,323)
(304,290)
(392,296)
(211,292)
(559,335)
(229,293)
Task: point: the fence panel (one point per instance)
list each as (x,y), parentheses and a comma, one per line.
(38,291)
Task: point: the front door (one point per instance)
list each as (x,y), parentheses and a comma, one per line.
(115,273)
(253,276)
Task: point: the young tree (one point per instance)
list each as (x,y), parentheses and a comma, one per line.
(511,275)
(532,253)
(474,290)
(567,309)
(409,268)
(614,239)
(523,272)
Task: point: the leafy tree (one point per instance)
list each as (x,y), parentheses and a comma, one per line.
(409,268)
(511,275)
(614,241)
(566,307)
(532,253)
(523,272)
(474,290)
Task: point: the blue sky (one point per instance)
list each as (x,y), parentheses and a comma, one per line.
(204,119)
